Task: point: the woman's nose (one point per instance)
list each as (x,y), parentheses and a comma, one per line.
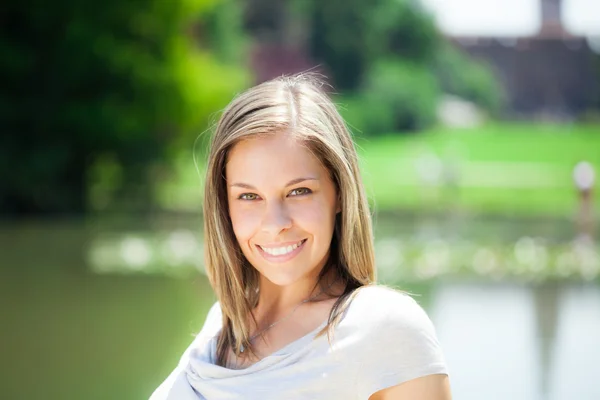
(276,218)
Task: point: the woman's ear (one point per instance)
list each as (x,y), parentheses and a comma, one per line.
(338,207)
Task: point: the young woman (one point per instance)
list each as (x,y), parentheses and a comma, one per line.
(289,254)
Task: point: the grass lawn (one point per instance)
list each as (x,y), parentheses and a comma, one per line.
(501,168)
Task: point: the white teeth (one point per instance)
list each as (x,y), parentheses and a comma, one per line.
(279,251)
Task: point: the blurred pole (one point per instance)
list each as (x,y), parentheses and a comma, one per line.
(429,169)
(546,300)
(584,176)
(451,175)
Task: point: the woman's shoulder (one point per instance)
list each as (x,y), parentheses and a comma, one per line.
(378,300)
(376,293)
(375,307)
(393,339)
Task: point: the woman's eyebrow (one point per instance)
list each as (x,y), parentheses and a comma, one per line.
(298,180)
(290,183)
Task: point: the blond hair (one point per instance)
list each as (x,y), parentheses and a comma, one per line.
(296,105)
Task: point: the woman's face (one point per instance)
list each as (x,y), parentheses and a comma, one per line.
(282,204)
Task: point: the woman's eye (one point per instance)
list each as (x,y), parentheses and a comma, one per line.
(247,196)
(300,191)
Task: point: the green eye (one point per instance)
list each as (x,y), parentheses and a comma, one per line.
(300,191)
(248,196)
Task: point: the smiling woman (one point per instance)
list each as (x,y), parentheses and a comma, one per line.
(294,204)
(289,254)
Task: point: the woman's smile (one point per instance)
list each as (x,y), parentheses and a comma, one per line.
(281,253)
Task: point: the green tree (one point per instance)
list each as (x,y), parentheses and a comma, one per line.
(391,63)
(470,79)
(351,36)
(113,83)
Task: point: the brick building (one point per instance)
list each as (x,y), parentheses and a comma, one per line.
(548,72)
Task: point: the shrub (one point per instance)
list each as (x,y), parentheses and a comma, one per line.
(468,78)
(396,96)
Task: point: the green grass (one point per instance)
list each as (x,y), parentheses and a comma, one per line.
(503,168)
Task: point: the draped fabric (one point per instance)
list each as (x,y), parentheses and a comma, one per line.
(385,338)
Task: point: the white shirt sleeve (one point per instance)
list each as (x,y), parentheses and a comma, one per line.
(403,345)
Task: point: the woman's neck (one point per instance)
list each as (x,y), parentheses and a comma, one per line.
(275,301)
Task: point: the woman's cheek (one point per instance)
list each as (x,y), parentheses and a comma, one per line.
(245,221)
(309,215)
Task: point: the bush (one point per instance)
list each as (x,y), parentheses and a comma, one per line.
(396,96)
(350,36)
(401,95)
(468,78)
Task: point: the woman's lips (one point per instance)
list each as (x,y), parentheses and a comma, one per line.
(288,255)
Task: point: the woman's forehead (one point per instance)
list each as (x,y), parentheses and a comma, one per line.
(279,150)
(277,157)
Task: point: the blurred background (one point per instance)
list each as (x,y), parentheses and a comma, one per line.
(478,127)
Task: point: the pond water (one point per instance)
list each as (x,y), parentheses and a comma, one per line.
(520,342)
(70,331)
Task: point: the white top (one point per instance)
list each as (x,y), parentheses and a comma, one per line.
(385,338)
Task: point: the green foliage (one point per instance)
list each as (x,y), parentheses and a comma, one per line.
(470,79)
(224,30)
(396,96)
(349,36)
(85,82)
(391,63)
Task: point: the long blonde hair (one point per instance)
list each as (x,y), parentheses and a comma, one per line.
(297,105)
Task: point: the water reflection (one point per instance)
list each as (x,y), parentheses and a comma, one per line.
(546,297)
(511,316)
(177,252)
(575,371)
(520,342)
(401,255)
